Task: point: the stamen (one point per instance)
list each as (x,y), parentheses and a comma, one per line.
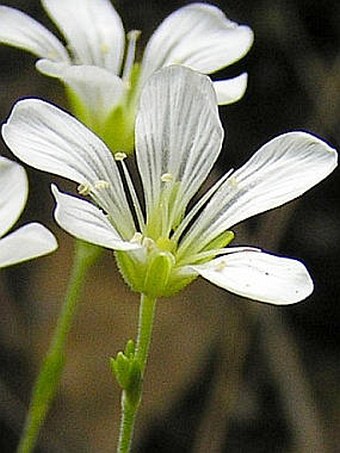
(138,210)
(120,156)
(132,37)
(84,189)
(198,206)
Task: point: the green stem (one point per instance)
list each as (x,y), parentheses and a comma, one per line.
(49,376)
(130,404)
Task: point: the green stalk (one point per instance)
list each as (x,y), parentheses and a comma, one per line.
(50,374)
(131,399)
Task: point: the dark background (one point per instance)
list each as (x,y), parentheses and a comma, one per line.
(224,374)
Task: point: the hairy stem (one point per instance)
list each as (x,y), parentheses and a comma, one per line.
(131,402)
(50,374)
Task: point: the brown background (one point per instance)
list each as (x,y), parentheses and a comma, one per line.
(224,374)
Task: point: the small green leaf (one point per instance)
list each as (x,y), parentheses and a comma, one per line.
(130,348)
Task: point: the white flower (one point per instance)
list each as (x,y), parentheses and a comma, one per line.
(93,67)
(29,241)
(162,247)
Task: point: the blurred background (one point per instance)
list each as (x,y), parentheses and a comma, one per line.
(224,374)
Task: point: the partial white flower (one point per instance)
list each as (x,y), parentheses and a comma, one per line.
(92,63)
(29,241)
(160,245)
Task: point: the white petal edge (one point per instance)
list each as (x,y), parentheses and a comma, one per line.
(98,89)
(20,30)
(259,276)
(199,36)
(51,140)
(178,132)
(85,221)
(280,171)
(27,242)
(93,29)
(231,90)
(13,194)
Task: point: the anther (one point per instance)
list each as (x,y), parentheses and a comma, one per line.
(84,189)
(133,35)
(120,156)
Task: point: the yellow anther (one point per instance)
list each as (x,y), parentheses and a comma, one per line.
(120,156)
(84,189)
(101,185)
(133,35)
(167,177)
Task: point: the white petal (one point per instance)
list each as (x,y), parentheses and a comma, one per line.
(20,30)
(231,90)
(259,276)
(49,139)
(199,36)
(28,242)
(178,133)
(93,29)
(99,90)
(87,222)
(279,172)
(13,193)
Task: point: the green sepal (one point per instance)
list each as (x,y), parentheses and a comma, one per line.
(154,277)
(134,388)
(78,108)
(118,130)
(130,348)
(220,241)
(178,281)
(131,269)
(120,367)
(158,271)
